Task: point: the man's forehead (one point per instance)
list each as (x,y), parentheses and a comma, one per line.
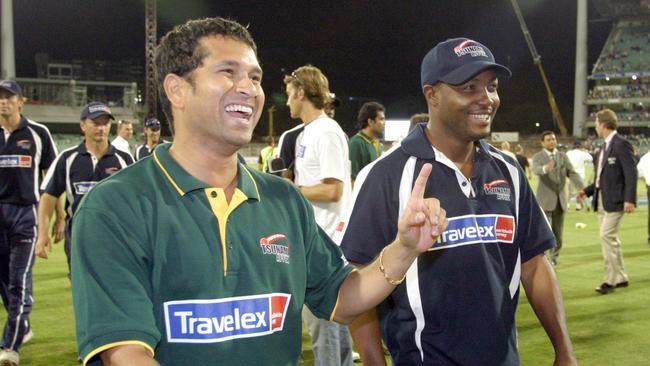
(219,46)
(6,93)
(101,120)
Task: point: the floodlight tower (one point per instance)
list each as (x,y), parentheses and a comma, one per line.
(8,63)
(537,60)
(580,86)
(150,26)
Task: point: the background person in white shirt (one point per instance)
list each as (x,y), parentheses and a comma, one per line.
(579,158)
(322,172)
(124,134)
(644,172)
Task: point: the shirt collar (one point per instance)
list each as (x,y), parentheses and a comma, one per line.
(416,144)
(366,137)
(550,153)
(22,124)
(184,183)
(609,138)
(83,150)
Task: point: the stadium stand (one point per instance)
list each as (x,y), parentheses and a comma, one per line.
(620,78)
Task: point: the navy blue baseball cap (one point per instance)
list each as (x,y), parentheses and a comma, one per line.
(152,123)
(93,110)
(12,87)
(456,60)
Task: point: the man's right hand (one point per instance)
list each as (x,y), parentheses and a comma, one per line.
(548,167)
(43,245)
(58,229)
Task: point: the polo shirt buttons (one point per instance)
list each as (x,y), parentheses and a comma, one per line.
(213,194)
(464,184)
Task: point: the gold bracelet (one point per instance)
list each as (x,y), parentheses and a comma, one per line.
(383,270)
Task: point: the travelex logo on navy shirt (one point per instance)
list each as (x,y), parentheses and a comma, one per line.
(475,229)
(15,161)
(219,320)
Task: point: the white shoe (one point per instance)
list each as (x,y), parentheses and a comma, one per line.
(28,336)
(9,357)
(355,356)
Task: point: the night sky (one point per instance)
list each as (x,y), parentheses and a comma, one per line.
(367,49)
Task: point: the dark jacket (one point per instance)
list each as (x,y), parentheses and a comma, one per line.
(618,177)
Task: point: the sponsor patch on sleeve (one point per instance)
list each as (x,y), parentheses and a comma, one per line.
(81,188)
(476,229)
(220,320)
(15,161)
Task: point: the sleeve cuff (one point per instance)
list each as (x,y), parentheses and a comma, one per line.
(105,347)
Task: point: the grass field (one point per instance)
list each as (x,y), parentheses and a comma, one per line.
(606,330)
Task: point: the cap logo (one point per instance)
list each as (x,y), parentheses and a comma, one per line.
(98,108)
(466,47)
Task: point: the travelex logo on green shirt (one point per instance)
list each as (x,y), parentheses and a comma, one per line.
(219,320)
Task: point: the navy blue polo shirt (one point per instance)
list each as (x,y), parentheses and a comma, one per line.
(143,150)
(287,145)
(75,171)
(457,305)
(28,150)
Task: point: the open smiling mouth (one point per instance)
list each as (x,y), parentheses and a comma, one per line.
(239,110)
(481,116)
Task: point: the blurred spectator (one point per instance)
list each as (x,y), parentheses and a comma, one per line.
(366,146)
(644,172)
(152,134)
(124,134)
(579,158)
(266,154)
(505,148)
(523,160)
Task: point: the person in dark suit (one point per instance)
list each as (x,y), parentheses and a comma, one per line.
(553,168)
(614,193)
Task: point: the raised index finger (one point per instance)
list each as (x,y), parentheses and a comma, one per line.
(421,181)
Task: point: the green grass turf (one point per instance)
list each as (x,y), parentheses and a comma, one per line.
(606,330)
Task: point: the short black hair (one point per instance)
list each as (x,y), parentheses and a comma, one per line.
(178,52)
(546,133)
(368,110)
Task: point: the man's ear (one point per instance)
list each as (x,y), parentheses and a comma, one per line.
(300,94)
(175,89)
(432,94)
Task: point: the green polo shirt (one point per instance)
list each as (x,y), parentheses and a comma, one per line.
(160,259)
(363,151)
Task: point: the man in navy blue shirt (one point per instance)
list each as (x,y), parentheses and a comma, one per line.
(457,303)
(78,169)
(26,149)
(152,137)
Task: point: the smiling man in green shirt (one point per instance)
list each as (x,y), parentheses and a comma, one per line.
(190,258)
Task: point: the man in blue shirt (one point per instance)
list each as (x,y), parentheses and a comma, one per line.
(457,305)
(26,149)
(78,169)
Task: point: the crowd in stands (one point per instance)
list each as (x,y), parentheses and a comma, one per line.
(631,90)
(627,51)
